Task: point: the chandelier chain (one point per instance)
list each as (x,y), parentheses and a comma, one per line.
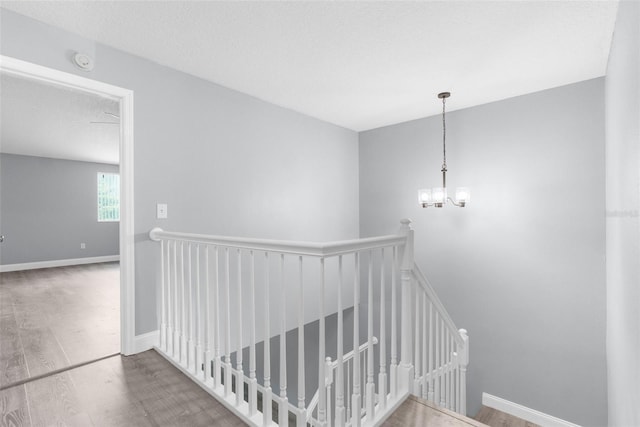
(444,136)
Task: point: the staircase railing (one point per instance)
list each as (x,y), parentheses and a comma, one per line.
(330,379)
(223,300)
(441,350)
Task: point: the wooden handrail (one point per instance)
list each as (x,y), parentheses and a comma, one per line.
(433,297)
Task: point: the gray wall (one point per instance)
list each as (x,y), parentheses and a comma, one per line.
(225,163)
(623,222)
(49,207)
(522,266)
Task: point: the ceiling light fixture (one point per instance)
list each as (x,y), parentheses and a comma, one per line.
(437,196)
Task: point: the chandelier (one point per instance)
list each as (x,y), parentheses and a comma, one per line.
(437,196)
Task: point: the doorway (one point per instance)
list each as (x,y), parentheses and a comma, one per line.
(123,99)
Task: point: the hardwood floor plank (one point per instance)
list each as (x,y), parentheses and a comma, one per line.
(13,366)
(41,351)
(14,409)
(64,316)
(149,390)
(53,401)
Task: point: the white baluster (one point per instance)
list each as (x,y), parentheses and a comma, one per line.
(450,371)
(416,347)
(425,367)
(183,300)
(322,401)
(328,377)
(191,359)
(176,320)
(207,320)
(340,414)
(456,358)
(382,375)
(443,390)
(267,395)
(356,402)
(349,388)
(464,361)
(239,368)
(163,299)
(169,345)
(170,301)
(430,394)
(406,329)
(393,366)
(301,392)
(253,382)
(363,375)
(455,379)
(199,366)
(446,368)
(283,409)
(436,384)
(455,374)
(217,306)
(228,365)
(370,387)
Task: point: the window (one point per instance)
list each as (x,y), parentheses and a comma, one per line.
(108,197)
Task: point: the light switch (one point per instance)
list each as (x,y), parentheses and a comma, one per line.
(161,211)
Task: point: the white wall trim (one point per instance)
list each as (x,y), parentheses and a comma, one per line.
(146,341)
(523,412)
(58,263)
(40,73)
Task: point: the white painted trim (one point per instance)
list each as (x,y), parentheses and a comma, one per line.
(146,341)
(127,243)
(283,246)
(58,263)
(523,412)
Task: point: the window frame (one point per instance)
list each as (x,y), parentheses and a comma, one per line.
(101,209)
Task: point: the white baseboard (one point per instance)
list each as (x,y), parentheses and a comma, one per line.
(146,341)
(58,263)
(523,412)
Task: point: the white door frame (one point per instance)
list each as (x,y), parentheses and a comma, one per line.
(127,245)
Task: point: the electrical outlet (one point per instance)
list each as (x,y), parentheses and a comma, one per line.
(83,246)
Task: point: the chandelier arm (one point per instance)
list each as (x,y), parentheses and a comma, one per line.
(460,204)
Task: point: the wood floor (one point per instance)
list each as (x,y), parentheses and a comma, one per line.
(56,317)
(419,412)
(140,390)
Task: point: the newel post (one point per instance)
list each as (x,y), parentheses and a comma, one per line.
(406,334)
(464,361)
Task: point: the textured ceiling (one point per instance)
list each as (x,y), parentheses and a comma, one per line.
(360,65)
(51,121)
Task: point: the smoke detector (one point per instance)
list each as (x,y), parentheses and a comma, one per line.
(83,61)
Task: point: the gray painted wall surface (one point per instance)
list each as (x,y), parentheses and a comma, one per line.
(49,207)
(522,267)
(623,222)
(225,163)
